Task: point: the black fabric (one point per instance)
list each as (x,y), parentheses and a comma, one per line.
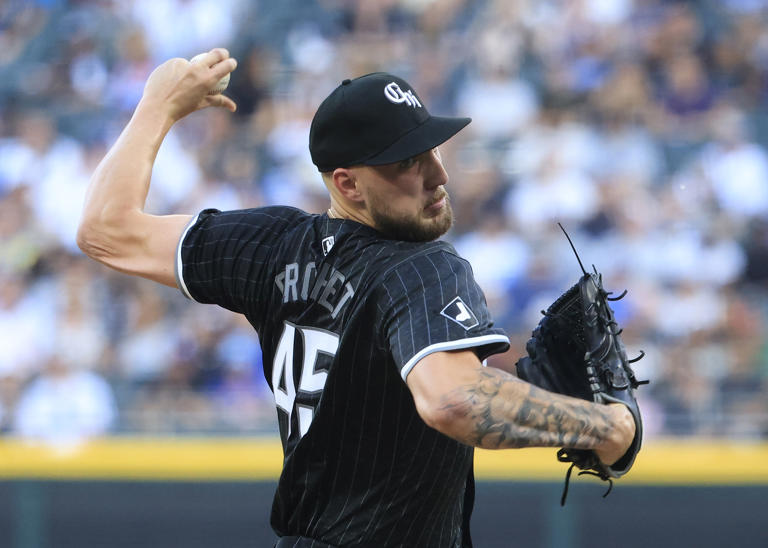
(343,314)
(301,542)
(469,503)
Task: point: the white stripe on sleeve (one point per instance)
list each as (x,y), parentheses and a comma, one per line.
(179,264)
(458,344)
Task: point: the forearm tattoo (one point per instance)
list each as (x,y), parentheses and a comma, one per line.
(500,411)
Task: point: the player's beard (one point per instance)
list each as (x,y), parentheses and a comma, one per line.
(400,226)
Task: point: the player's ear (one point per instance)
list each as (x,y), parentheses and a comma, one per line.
(345,182)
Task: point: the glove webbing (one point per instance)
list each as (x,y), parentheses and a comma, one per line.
(564,307)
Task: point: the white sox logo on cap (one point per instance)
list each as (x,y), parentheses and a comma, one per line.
(393,92)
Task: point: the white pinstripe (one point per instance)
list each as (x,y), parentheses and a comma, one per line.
(357,456)
(410,316)
(424,304)
(403,478)
(442,295)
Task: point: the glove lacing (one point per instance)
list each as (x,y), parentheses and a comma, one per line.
(562,456)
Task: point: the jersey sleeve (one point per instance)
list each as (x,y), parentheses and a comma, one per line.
(432,303)
(222,257)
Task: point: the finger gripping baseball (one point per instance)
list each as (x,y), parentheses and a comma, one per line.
(576,350)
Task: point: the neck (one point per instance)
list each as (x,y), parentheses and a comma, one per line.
(338,211)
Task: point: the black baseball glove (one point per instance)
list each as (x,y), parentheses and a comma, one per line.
(576,350)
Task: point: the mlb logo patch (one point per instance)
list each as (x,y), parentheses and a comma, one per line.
(327,244)
(459,312)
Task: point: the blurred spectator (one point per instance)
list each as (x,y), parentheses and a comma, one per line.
(198,26)
(26,312)
(736,168)
(550,194)
(148,347)
(756,250)
(499,106)
(498,256)
(64,405)
(126,81)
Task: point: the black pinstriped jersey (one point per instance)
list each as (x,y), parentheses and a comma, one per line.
(343,315)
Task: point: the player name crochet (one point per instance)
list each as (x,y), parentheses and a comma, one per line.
(328,286)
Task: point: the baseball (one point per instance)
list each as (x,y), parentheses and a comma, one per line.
(221,85)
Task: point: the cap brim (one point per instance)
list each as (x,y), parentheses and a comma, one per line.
(435,131)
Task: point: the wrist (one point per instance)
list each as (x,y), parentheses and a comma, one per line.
(620,436)
(152,120)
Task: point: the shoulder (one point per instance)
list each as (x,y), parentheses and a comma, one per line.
(253,224)
(431,271)
(255,214)
(436,259)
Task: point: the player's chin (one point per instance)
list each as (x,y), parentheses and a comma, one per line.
(437,225)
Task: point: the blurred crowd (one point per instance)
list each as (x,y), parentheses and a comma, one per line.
(640,125)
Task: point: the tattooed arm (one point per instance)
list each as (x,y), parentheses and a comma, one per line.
(487,407)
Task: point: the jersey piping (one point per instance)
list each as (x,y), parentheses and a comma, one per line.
(451,345)
(179,270)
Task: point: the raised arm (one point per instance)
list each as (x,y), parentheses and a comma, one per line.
(114,229)
(489,408)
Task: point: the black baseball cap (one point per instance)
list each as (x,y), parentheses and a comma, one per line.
(373,120)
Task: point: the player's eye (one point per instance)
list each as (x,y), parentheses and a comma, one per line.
(407,164)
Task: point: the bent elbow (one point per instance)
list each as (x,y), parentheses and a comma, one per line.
(445,415)
(83,236)
(92,240)
(86,238)
(106,233)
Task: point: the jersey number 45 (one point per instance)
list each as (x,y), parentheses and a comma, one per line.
(315,343)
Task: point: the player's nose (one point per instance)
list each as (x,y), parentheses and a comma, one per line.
(435,175)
